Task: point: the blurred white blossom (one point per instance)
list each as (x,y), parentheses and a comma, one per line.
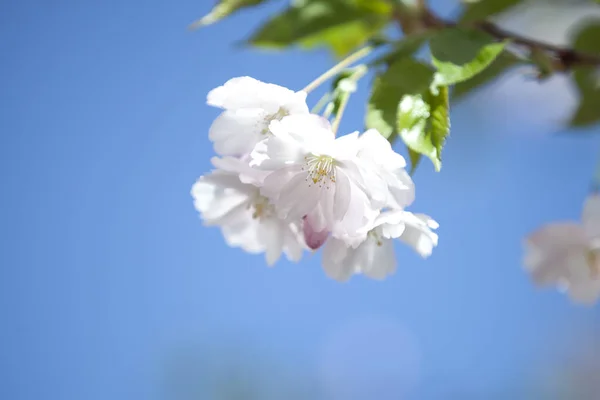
(567,254)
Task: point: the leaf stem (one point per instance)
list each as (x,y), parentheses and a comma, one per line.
(352,58)
(338,116)
(323,101)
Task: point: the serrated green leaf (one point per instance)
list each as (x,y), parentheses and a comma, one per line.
(403,77)
(413,114)
(439,122)
(415,159)
(450,73)
(342,25)
(483,9)
(223,9)
(503,63)
(423,124)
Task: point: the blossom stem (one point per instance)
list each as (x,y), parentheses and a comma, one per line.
(340,112)
(323,101)
(352,58)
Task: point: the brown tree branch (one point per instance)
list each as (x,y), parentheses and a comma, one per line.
(564,58)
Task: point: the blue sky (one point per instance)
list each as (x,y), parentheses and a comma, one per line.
(108,279)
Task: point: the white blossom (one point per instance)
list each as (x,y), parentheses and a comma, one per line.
(313,174)
(375,256)
(567,254)
(247,219)
(285,183)
(250,105)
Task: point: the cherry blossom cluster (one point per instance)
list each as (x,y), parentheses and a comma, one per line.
(567,254)
(283,183)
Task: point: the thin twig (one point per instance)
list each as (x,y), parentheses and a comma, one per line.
(565,58)
(352,58)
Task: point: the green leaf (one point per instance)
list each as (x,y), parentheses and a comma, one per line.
(345,38)
(480,10)
(504,62)
(223,9)
(403,77)
(459,45)
(588,110)
(439,122)
(450,73)
(587,37)
(424,124)
(403,48)
(342,25)
(587,80)
(415,159)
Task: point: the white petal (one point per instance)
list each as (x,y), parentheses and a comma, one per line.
(246,92)
(401,187)
(367,178)
(334,254)
(375,259)
(359,217)
(591,217)
(240,168)
(391,224)
(372,258)
(272,236)
(378,149)
(276,181)
(278,150)
(237,132)
(296,104)
(293,244)
(218,193)
(393,187)
(298,198)
(342,195)
(308,129)
(235,93)
(346,147)
(243,233)
(418,234)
